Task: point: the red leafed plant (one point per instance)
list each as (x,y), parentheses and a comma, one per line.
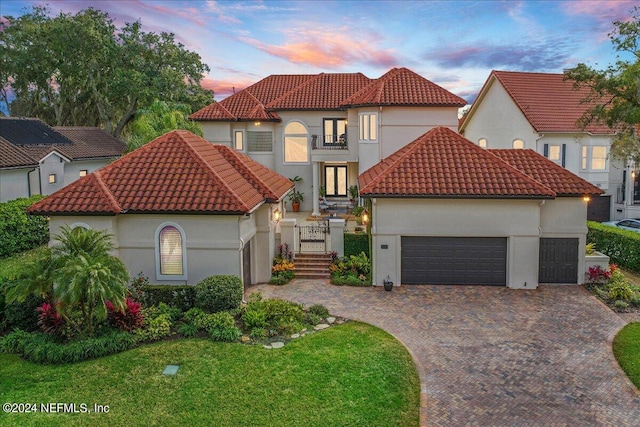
(598,274)
(128,320)
(49,320)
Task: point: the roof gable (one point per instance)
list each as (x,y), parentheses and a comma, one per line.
(548,173)
(548,101)
(178,172)
(14,157)
(442,163)
(401,86)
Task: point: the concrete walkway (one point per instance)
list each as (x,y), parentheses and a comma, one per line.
(491,356)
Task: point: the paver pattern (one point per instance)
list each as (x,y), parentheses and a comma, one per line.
(492,356)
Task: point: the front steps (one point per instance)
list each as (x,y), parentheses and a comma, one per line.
(312,266)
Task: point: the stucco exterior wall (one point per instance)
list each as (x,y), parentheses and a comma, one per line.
(517,220)
(72,169)
(14,183)
(52,164)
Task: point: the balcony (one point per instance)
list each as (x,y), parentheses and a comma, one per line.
(330,142)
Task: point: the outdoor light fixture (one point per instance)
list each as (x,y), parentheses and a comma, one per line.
(365,217)
(276,215)
(256,123)
(586,198)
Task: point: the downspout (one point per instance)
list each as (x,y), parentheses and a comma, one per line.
(542,202)
(29,181)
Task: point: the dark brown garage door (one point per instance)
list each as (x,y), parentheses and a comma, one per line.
(558,260)
(454,260)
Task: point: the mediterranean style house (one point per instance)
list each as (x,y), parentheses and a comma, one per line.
(38,159)
(328,128)
(541,111)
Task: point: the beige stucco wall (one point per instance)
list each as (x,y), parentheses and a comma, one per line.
(517,220)
(14,183)
(72,169)
(52,164)
(213,243)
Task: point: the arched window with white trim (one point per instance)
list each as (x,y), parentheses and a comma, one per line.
(296,143)
(171,259)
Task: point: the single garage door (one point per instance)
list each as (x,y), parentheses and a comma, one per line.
(558,260)
(454,260)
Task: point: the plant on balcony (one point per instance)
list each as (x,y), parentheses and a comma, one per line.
(296,197)
(354,193)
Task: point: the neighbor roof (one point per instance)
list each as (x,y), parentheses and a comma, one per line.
(38,139)
(548,173)
(178,172)
(327,91)
(548,101)
(14,157)
(442,163)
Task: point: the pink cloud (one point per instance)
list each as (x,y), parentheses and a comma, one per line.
(224,88)
(604,12)
(326,49)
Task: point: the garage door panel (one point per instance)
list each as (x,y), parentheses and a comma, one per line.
(558,260)
(454,260)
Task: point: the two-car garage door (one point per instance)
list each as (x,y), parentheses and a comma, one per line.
(454,260)
(481,260)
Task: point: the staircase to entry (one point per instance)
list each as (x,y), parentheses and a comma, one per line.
(312,266)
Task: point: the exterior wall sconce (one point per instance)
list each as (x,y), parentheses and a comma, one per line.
(256,123)
(365,217)
(277,215)
(586,198)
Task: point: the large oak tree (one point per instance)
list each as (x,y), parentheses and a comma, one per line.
(615,91)
(81,70)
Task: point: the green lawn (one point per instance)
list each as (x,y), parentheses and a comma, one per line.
(349,375)
(11,266)
(626,348)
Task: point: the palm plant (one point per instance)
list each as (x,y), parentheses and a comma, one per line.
(36,279)
(87,275)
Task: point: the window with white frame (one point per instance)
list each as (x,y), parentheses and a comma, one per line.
(482,142)
(296,143)
(260,141)
(555,153)
(170,252)
(368,127)
(594,158)
(238,140)
(83,172)
(518,143)
(53,178)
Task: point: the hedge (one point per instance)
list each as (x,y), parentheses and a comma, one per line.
(178,296)
(20,232)
(354,244)
(622,246)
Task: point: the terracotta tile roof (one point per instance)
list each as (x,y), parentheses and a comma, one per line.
(321,92)
(326,91)
(442,163)
(178,172)
(401,86)
(14,157)
(548,173)
(549,103)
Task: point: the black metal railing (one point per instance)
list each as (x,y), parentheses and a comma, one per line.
(330,142)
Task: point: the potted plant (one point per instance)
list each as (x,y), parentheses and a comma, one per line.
(357,212)
(322,192)
(295,197)
(353,193)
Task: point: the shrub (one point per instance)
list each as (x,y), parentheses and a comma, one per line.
(258,333)
(319,310)
(621,305)
(280,280)
(349,280)
(12,342)
(219,293)
(354,244)
(191,315)
(312,319)
(188,330)
(280,312)
(255,316)
(128,319)
(274,315)
(154,327)
(49,320)
(622,246)
(18,231)
(225,334)
(23,315)
(620,291)
(178,296)
(352,270)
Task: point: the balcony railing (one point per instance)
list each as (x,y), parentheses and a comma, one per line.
(330,142)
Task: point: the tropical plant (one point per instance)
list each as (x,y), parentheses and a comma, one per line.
(296,196)
(353,192)
(87,275)
(36,279)
(128,319)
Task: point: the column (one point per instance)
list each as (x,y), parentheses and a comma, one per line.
(316,190)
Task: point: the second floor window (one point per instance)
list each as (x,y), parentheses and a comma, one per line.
(238,140)
(368,127)
(335,131)
(518,144)
(594,158)
(296,143)
(260,141)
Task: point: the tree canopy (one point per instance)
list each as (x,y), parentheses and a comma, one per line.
(81,70)
(615,91)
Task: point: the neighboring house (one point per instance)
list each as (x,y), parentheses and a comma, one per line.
(445,211)
(541,111)
(180,209)
(328,128)
(57,156)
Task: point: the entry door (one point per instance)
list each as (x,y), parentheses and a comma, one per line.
(558,260)
(335,181)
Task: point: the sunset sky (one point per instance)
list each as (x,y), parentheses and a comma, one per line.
(452,43)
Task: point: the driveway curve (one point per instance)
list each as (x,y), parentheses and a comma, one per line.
(492,356)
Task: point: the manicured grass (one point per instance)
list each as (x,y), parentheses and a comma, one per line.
(11,266)
(626,348)
(349,375)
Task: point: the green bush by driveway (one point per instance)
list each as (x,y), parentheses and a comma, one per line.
(18,231)
(622,246)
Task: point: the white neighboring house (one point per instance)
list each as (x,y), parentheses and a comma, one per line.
(540,111)
(328,128)
(38,159)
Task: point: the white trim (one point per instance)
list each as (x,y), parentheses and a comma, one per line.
(57,154)
(295,135)
(361,135)
(183,235)
(244,140)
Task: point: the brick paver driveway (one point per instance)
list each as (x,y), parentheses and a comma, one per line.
(491,356)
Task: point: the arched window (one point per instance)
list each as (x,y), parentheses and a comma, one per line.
(296,143)
(518,143)
(170,252)
(482,142)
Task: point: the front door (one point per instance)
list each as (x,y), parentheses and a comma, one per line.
(335,181)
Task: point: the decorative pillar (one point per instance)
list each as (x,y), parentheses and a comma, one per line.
(288,233)
(336,231)
(316,190)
